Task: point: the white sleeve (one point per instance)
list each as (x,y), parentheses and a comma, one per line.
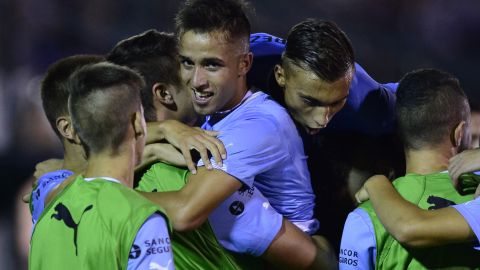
(151,248)
(471,213)
(358,246)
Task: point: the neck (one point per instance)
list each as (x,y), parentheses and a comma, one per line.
(238,97)
(74,158)
(428,160)
(119,166)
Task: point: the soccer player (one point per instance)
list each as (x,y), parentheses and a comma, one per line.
(214,59)
(235,221)
(314,74)
(433,117)
(155,56)
(98,219)
(340,111)
(54,94)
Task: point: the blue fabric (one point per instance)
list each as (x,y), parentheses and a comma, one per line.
(369,108)
(471,212)
(151,248)
(358,247)
(45,184)
(245,222)
(264,150)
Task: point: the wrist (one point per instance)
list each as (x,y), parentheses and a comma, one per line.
(375,182)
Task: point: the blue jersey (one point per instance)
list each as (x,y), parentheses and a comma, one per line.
(45,184)
(471,213)
(265,151)
(369,108)
(245,222)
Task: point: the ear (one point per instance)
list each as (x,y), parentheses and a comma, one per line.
(456,136)
(163,93)
(139,126)
(65,128)
(245,64)
(279,75)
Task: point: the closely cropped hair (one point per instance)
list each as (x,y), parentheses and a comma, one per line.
(319,46)
(154,56)
(102,101)
(54,87)
(430,103)
(203,16)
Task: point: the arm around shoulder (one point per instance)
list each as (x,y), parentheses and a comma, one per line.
(190,206)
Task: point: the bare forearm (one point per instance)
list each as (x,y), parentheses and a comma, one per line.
(411,225)
(178,209)
(189,207)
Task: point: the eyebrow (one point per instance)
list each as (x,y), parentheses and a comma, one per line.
(316,102)
(204,60)
(212,60)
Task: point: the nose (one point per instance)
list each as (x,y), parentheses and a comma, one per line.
(322,116)
(199,79)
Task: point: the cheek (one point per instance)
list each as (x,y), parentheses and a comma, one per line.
(184,75)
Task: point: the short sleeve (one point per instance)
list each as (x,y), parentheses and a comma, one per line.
(358,245)
(151,248)
(471,213)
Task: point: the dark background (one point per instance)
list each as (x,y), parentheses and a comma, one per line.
(389,38)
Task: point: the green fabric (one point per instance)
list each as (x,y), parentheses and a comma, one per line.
(427,192)
(197,249)
(90,225)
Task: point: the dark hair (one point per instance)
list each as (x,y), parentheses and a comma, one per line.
(154,56)
(203,16)
(54,87)
(102,100)
(320,46)
(430,103)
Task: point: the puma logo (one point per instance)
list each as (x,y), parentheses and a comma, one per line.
(64,214)
(438,202)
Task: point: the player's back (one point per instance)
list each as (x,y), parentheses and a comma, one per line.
(90,225)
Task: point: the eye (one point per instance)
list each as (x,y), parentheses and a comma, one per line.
(186,63)
(212,66)
(307,101)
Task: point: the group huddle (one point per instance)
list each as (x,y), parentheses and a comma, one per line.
(191,151)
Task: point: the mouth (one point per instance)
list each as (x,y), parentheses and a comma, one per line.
(312,131)
(202,97)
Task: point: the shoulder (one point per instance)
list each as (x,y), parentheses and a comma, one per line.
(121,201)
(162,177)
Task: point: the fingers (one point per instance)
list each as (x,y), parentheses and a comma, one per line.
(188,159)
(220,147)
(361,195)
(26,198)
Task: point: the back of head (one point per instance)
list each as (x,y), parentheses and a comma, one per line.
(228,17)
(319,46)
(103,99)
(54,88)
(154,56)
(430,104)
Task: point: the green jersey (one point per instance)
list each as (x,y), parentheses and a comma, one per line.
(89,225)
(197,249)
(431,192)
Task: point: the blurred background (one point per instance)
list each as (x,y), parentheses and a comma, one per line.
(389,38)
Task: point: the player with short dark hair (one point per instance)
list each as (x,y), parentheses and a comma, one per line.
(433,117)
(99,208)
(214,61)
